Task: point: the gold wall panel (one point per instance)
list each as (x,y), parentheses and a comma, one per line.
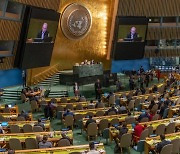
(50,4)
(149,8)
(93,46)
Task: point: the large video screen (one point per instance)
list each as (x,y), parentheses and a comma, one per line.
(129,38)
(37,38)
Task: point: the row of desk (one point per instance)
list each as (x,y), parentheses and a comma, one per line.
(63,150)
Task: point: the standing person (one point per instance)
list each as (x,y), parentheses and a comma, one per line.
(24,78)
(76,89)
(147,79)
(141,70)
(43,33)
(158,74)
(98,89)
(131,83)
(118,85)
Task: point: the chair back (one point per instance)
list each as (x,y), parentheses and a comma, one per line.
(72,100)
(100,105)
(145,119)
(160,129)
(144,134)
(111,100)
(154,108)
(53,100)
(31,143)
(131,105)
(69,120)
(125,140)
(104,123)
(130,120)
(21,118)
(79,107)
(27,128)
(78,117)
(155,117)
(170,128)
(150,128)
(63,143)
(150,97)
(37,129)
(64,100)
(176,146)
(137,102)
(59,108)
(34,105)
(69,106)
(15,144)
(114,121)
(167,149)
(89,114)
(82,99)
(100,113)
(91,106)
(112,113)
(92,129)
(14,129)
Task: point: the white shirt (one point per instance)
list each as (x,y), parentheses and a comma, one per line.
(93,152)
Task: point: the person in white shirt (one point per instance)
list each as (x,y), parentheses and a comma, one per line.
(92,149)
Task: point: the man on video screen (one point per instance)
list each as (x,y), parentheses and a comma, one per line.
(133,34)
(43,33)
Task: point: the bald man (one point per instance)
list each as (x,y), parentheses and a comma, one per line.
(133,34)
(43,33)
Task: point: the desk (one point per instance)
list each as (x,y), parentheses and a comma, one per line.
(151,142)
(13,109)
(114,132)
(13,116)
(121,117)
(59,99)
(88,70)
(53,136)
(22,123)
(62,150)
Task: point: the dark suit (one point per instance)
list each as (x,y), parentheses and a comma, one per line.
(46,34)
(161,145)
(89,121)
(135,35)
(98,90)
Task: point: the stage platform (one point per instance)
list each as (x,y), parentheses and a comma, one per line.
(68,78)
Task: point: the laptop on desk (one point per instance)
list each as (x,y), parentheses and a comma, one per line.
(38,40)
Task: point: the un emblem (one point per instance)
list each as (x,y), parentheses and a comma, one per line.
(76,21)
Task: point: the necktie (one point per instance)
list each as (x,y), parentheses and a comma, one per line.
(131,36)
(42,36)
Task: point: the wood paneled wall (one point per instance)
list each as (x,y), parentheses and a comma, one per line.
(156,33)
(10,30)
(50,4)
(149,8)
(154,8)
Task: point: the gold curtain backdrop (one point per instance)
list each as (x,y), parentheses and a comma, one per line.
(94,46)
